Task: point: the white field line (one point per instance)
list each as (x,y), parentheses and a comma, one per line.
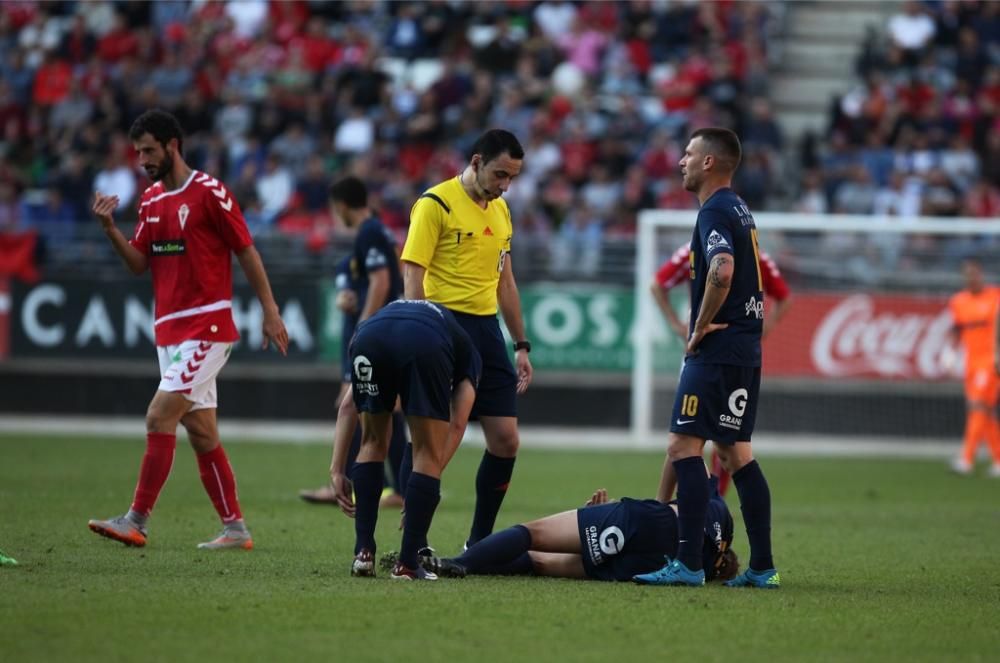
(299,432)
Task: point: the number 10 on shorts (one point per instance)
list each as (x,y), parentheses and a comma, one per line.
(689,405)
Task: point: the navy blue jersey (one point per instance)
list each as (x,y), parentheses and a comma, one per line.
(375,249)
(435,320)
(626,538)
(725,225)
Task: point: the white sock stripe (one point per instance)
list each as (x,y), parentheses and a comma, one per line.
(222,493)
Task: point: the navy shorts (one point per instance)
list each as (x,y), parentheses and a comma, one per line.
(716,402)
(496,395)
(383,369)
(626,538)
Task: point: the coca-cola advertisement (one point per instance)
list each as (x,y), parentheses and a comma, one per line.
(864,336)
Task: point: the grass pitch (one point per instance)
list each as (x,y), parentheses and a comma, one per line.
(880,560)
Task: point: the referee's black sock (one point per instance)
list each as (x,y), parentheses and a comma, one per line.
(502,553)
(367,479)
(423,493)
(692,506)
(755,503)
(491,487)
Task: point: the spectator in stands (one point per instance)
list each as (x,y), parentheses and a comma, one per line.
(900,197)
(857,194)
(811,198)
(981,200)
(911,30)
(117,178)
(577,248)
(274,188)
(172,78)
(294,147)
(941,197)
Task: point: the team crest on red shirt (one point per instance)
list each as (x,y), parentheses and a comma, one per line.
(182,214)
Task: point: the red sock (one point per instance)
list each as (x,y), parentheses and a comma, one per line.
(154,471)
(220,483)
(720,472)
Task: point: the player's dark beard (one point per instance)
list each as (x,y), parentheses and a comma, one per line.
(156,173)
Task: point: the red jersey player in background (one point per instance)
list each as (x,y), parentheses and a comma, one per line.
(677,270)
(189,225)
(974,313)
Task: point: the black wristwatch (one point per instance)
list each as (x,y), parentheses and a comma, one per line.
(522,345)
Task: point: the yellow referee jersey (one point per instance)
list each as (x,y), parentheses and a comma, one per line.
(461,245)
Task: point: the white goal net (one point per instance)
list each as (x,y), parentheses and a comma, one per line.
(864,347)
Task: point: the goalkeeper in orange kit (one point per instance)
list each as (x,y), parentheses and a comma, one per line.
(974,312)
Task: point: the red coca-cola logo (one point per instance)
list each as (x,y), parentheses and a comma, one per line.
(889,338)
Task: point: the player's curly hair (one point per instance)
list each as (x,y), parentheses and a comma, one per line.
(725,567)
(159,124)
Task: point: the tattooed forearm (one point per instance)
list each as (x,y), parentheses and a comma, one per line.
(720,272)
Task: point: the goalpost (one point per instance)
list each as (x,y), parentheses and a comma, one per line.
(868,318)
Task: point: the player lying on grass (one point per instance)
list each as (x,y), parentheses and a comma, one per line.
(604,540)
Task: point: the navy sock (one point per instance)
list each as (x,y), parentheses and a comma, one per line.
(692,507)
(491,487)
(422,496)
(755,503)
(367,479)
(405,472)
(497,551)
(522,566)
(397,447)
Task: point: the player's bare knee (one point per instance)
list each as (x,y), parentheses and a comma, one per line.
(504,444)
(158,421)
(684,446)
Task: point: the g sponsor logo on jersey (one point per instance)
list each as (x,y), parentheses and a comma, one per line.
(363,372)
(755,308)
(168,247)
(593,545)
(611,540)
(716,241)
(738,406)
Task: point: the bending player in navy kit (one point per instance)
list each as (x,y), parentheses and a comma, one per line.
(604,540)
(719,384)
(416,351)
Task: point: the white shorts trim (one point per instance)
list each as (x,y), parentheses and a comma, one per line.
(220,305)
(190,368)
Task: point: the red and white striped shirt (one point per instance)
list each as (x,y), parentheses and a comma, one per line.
(189,234)
(676,270)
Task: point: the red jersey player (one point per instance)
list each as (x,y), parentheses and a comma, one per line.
(676,270)
(188,226)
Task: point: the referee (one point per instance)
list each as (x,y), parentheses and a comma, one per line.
(457,254)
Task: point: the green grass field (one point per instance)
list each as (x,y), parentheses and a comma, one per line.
(880,560)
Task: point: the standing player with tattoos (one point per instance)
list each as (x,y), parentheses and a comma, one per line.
(717,394)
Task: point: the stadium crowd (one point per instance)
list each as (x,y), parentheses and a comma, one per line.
(919,133)
(281,97)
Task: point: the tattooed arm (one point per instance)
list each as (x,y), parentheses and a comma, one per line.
(720,278)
